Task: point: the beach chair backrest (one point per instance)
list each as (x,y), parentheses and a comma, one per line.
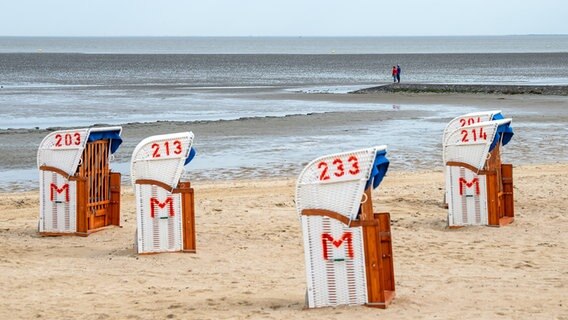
(467,120)
(335,262)
(159,219)
(161,158)
(62,150)
(336,182)
(471,144)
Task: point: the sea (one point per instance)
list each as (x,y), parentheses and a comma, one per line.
(48,82)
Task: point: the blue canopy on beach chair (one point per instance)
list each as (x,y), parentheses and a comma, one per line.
(190,156)
(504,132)
(113,135)
(380,167)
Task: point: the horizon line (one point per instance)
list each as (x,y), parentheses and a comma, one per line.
(283,36)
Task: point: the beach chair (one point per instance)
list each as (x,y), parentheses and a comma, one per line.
(164,204)
(348,250)
(79,194)
(461,121)
(479,187)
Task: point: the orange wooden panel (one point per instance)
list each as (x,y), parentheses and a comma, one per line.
(386,249)
(82,223)
(492,199)
(188,216)
(115,198)
(378,255)
(507,181)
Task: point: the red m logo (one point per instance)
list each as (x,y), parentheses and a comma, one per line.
(53,187)
(155,202)
(346,236)
(464,183)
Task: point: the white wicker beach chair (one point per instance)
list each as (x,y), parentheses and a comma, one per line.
(466,150)
(156,167)
(328,199)
(467,120)
(58,159)
(462,121)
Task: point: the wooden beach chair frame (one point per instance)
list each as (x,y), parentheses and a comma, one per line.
(156,169)
(472,165)
(461,121)
(339,213)
(79,194)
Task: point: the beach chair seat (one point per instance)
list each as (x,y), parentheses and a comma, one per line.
(79,194)
(342,236)
(164,204)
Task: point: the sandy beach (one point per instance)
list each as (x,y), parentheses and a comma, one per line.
(249,261)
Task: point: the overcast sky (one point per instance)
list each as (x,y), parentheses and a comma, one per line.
(281,18)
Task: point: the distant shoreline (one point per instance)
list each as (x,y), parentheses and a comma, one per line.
(555,90)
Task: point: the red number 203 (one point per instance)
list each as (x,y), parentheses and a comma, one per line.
(339,168)
(156,147)
(67,139)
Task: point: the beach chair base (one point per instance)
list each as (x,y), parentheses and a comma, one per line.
(84,216)
(503,222)
(184,195)
(389,297)
(79,234)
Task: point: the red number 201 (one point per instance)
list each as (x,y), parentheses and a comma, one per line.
(156,147)
(339,169)
(468,121)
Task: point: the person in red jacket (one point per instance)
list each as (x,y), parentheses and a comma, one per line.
(394,73)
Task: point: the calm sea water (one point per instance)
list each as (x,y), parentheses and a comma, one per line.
(287,45)
(75,82)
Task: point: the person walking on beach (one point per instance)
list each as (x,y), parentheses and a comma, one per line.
(394,74)
(398,73)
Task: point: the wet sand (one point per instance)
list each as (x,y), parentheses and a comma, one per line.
(19,146)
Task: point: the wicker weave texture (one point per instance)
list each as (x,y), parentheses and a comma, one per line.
(62,149)
(469,119)
(468,197)
(461,121)
(58,203)
(470,144)
(335,264)
(335,182)
(159,219)
(161,158)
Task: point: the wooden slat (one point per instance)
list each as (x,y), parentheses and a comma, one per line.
(373,262)
(508,189)
(188,217)
(82,223)
(95,169)
(114,207)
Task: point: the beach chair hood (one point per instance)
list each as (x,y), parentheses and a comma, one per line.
(504,132)
(63,149)
(471,144)
(336,182)
(161,158)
